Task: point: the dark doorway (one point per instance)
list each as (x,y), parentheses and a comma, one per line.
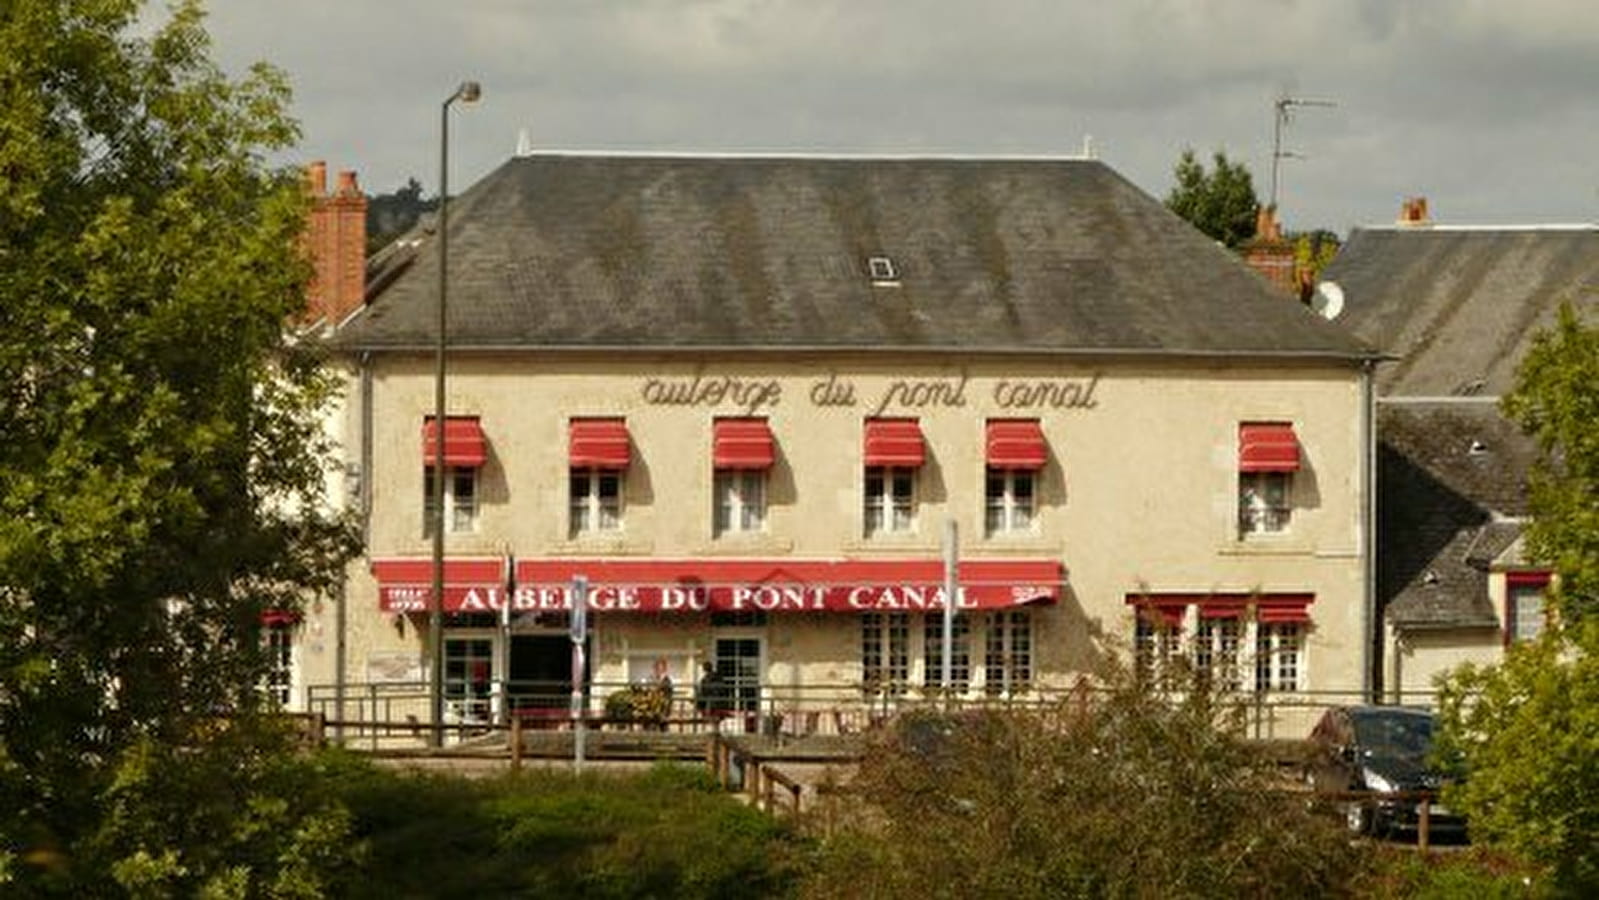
(541,673)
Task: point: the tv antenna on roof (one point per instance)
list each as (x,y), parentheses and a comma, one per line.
(1284,110)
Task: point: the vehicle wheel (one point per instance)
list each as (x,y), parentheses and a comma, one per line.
(1357,818)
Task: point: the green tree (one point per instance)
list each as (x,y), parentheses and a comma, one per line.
(1314,250)
(390,215)
(1133,792)
(160,464)
(1221,203)
(1556,400)
(1527,734)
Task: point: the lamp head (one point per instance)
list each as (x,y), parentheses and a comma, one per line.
(469,91)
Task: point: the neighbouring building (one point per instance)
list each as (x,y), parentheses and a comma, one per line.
(743,396)
(1457,307)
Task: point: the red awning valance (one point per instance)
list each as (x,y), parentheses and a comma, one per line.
(781,585)
(599,444)
(470,583)
(464,443)
(1016,444)
(1267,447)
(894,442)
(742,444)
(1170,608)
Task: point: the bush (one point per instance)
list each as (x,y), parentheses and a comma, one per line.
(1135,794)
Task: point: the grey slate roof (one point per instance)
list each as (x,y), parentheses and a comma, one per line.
(1459,306)
(771,252)
(1452,480)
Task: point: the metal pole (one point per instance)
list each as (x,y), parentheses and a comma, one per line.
(468,92)
(951,594)
(579,621)
(436,599)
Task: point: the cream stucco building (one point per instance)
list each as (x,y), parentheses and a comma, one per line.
(745,398)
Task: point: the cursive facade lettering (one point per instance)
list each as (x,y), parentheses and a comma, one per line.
(924,393)
(748,395)
(1052,393)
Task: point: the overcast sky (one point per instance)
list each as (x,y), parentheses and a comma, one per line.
(1489,108)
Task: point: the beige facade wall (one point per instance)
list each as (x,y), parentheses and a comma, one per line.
(1139,494)
(1417,659)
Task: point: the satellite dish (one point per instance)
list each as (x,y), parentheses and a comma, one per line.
(1328,301)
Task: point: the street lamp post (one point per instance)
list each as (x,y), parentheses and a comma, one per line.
(468,92)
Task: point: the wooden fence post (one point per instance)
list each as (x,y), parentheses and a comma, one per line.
(516,743)
(1424,824)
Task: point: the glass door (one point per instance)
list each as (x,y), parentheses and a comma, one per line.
(738,661)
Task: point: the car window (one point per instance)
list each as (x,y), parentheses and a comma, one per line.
(1394,735)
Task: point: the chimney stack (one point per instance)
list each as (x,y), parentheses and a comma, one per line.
(337,236)
(1270,255)
(1413,212)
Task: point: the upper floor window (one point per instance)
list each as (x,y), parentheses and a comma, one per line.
(1015,452)
(742,451)
(1268,457)
(596,498)
(460,500)
(893,450)
(890,499)
(740,501)
(1009,501)
(464,451)
(1525,613)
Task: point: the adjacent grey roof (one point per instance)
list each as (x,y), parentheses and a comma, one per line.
(1459,306)
(1452,480)
(771,252)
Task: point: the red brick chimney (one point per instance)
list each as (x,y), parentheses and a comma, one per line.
(1413,212)
(337,238)
(1271,256)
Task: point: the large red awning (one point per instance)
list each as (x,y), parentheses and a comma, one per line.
(1016,444)
(894,442)
(1267,447)
(599,444)
(777,585)
(464,443)
(742,444)
(406,584)
(1270,608)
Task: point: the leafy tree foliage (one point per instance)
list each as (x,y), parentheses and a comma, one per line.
(1527,731)
(1556,399)
(1221,203)
(1314,250)
(1135,793)
(159,460)
(390,215)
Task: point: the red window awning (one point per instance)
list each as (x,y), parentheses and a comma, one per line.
(271,617)
(782,585)
(894,442)
(1267,447)
(1170,608)
(464,443)
(471,584)
(1016,444)
(742,444)
(598,444)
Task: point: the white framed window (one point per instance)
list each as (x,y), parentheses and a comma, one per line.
(890,498)
(460,500)
(1279,656)
(1009,501)
(960,663)
(740,501)
(596,501)
(1265,502)
(1008,656)
(468,677)
(1525,613)
(885,653)
(1156,645)
(1216,643)
(277,642)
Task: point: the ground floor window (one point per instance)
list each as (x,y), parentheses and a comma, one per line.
(1279,648)
(1156,647)
(277,639)
(1216,652)
(738,664)
(885,653)
(1008,657)
(468,677)
(960,664)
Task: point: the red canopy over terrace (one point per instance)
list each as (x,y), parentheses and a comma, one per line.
(406,585)
(781,585)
